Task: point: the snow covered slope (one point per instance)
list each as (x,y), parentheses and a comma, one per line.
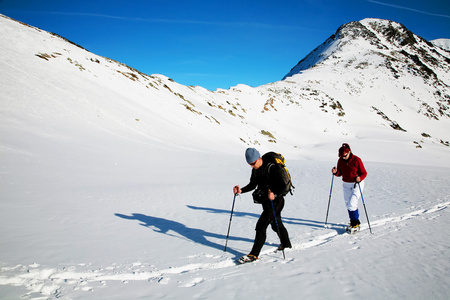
(374,88)
(376,72)
(443,43)
(118,185)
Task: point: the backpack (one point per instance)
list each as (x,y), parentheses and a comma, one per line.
(278,160)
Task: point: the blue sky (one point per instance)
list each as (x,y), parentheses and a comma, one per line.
(217,44)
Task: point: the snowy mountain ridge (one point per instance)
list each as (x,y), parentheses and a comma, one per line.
(339,86)
(380,46)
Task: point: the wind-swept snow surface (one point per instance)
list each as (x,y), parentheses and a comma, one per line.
(158,238)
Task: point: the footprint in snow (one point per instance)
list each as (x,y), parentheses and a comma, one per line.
(194,282)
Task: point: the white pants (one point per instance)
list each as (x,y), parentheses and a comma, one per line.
(352,194)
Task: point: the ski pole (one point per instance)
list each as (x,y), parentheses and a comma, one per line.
(278,228)
(229,224)
(329,198)
(364,207)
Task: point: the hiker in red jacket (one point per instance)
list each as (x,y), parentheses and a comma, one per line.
(352,170)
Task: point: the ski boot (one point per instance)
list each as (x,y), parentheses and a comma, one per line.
(282,247)
(353,227)
(247,258)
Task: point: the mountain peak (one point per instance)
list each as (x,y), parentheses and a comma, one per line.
(360,37)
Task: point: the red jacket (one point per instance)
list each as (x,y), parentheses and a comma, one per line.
(351,168)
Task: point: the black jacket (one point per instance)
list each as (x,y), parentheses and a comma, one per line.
(268,176)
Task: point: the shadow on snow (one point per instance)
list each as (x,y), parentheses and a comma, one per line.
(196,235)
(286,220)
(199,236)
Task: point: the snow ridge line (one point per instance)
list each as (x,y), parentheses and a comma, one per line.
(322,239)
(50,281)
(414,214)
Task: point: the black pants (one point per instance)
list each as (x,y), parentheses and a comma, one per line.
(267,219)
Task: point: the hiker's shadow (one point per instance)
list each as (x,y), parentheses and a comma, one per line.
(196,235)
(286,220)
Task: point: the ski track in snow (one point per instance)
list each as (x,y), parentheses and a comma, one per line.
(51,281)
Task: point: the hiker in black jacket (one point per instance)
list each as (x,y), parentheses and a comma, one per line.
(267,179)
